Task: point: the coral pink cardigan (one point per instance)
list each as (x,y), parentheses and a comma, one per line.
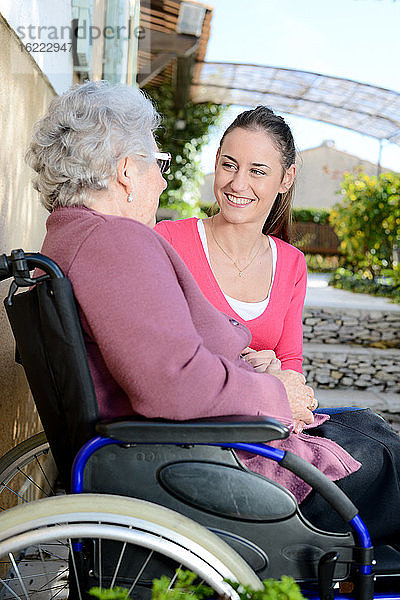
(279,327)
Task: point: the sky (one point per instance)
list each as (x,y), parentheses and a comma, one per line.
(354,39)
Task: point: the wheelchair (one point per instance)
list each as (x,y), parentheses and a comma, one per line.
(131,499)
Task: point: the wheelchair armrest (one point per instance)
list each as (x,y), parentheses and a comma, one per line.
(213,430)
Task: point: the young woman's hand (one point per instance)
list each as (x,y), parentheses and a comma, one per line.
(260,360)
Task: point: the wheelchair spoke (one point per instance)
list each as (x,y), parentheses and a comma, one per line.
(44,565)
(146,562)
(14,564)
(72,555)
(13,594)
(100,571)
(31,577)
(48,593)
(32,481)
(117,566)
(49,550)
(62,588)
(34,576)
(44,475)
(27,473)
(173,579)
(37,573)
(15,493)
(57,575)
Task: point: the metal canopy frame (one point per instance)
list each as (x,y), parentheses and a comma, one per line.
(361,107)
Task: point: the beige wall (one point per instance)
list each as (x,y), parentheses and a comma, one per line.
(319,173)
(207,189)
(25,93)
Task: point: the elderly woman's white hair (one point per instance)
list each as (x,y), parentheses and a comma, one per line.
(77,145)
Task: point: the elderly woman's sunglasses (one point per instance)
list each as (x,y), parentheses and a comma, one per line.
(163,160)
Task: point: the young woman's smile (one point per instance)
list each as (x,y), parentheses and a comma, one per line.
(238,200)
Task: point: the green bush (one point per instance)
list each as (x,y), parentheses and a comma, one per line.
(115,593)
(367,223)
(184,588)
(385,285)
(317,263)
(284,589)
(183,135)
(310,215)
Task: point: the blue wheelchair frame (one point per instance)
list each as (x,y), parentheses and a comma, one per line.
(359,528)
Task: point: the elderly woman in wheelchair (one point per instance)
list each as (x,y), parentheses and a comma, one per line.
(154,370)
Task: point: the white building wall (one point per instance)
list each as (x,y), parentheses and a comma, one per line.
(23,100)
(319,174)
(43,24)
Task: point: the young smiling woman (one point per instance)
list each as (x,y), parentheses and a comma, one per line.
(248,178)
(245,266)
(241,257)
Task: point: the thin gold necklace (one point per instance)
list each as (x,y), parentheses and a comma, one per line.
(240,271)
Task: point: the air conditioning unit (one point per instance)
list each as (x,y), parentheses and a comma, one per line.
(190,20)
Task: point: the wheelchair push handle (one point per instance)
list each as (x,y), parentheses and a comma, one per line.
(19,264)
(5,267)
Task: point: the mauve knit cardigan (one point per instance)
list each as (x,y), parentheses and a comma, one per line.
(156,347)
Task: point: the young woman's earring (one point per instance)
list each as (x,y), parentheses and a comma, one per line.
(130,197)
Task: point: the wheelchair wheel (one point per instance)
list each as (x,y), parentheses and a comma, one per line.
(121,541)
(27,472)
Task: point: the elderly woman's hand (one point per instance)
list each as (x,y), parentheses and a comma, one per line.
(300,396)
(260,360)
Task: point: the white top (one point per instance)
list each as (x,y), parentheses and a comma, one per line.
(247,310)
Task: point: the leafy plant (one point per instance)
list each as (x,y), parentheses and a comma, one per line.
(385,285)
(183,134)
(310,215)
(367,222)
(183,587)
(115,593)
(273,589)
(317,263)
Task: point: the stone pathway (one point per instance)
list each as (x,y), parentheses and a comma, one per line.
(351,341)
(355,367)
(320,294)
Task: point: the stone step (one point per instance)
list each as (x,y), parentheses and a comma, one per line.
(350,367)
(343,325)
(385,403)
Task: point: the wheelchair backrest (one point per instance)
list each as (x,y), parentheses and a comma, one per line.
(51,348)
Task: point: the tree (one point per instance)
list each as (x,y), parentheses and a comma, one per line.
(367,222)
(183,134)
